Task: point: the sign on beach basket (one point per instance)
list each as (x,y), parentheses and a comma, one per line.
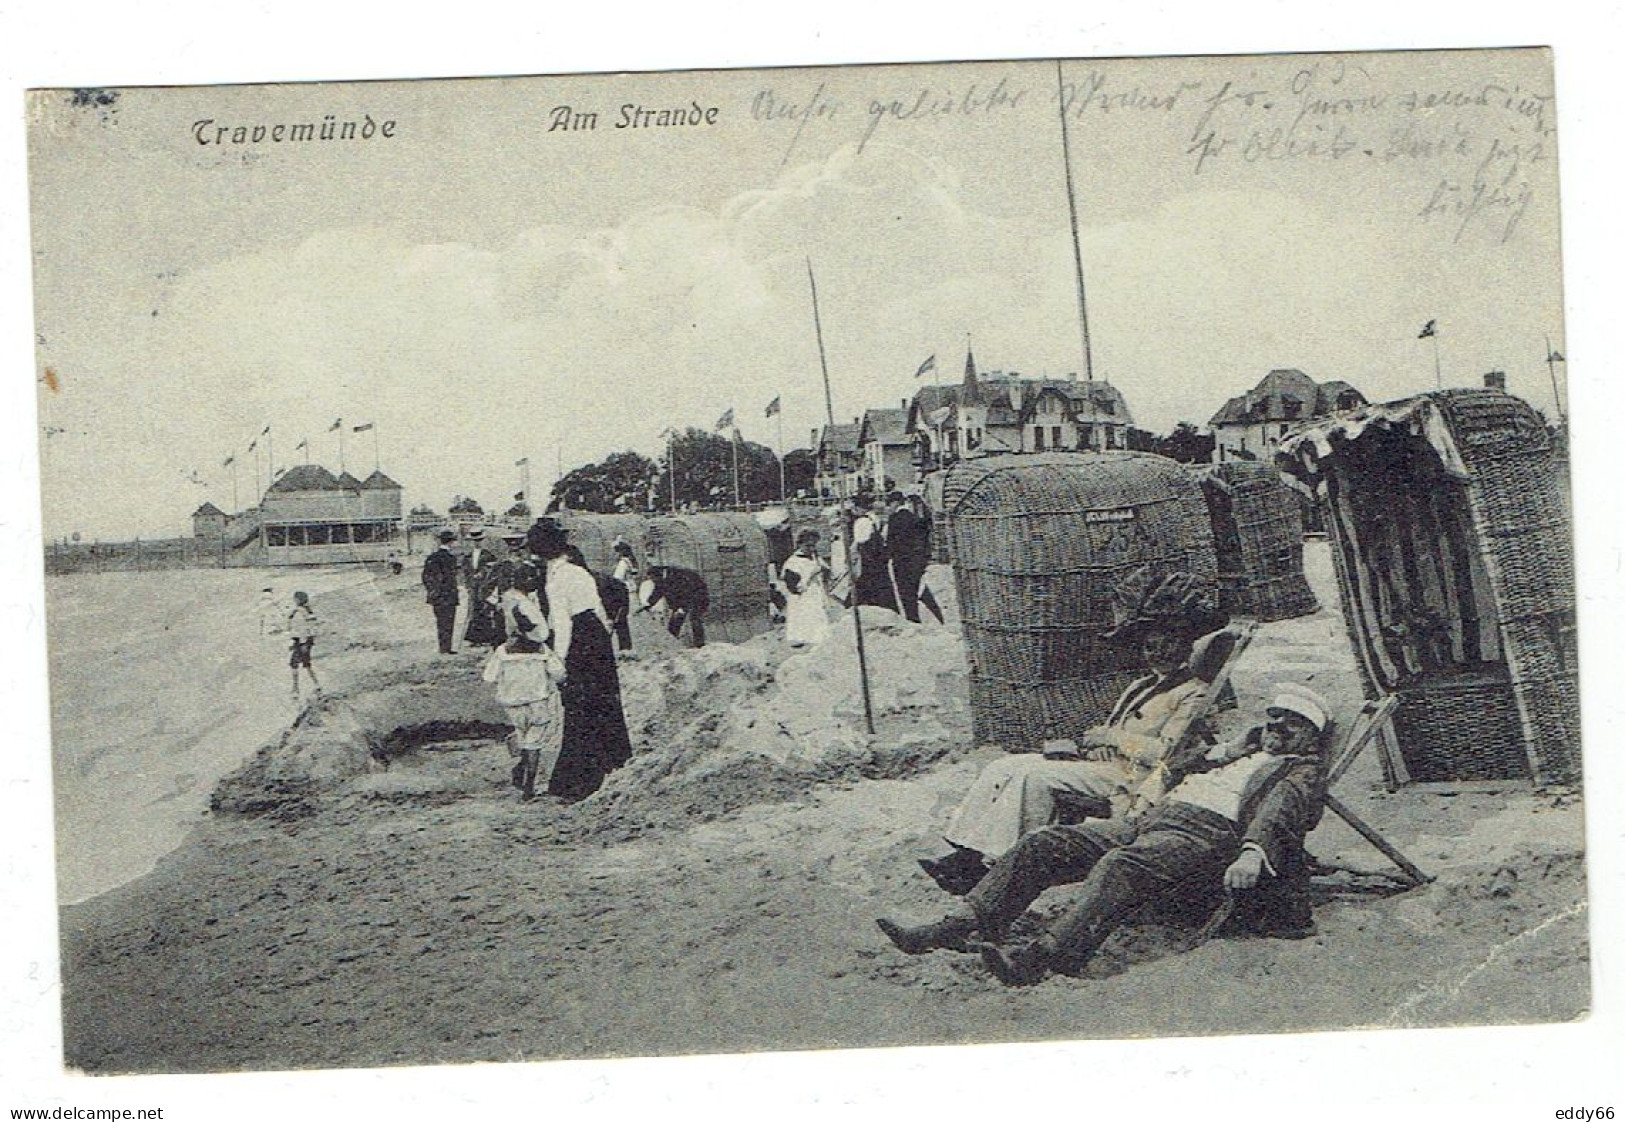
(1258,533)
(1451,535)
(1038,544)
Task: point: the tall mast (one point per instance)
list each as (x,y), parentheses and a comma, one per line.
(1072,207)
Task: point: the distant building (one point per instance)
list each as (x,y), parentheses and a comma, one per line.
(887,448)
(209,521)
(1008,412)
(421,520)
(465,514)
(1251,426)
(309,516)
(840,460)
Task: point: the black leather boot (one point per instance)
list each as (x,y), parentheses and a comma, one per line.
(949,932)
(1018,966)
(958,872)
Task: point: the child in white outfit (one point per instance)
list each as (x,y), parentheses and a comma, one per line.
(526,673)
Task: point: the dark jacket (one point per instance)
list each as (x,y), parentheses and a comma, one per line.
(908,536)
(1280,804)
(440,577)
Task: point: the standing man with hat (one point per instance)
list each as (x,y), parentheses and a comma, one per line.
(440,589)
(1236,820)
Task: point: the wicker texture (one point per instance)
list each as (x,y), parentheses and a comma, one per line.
(1505,701)
(1258,534)
(1038,544)
(728,550)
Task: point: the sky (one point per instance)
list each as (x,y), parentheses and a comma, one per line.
(485,285)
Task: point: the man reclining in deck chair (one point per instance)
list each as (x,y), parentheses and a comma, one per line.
(1237,817)
(1161,613)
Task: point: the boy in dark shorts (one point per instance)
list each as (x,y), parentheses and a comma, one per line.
(302,634)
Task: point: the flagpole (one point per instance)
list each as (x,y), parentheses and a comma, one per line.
(270,457)
(1552,359)
(782,496)
(671,464)
(1438,371)
(846,530)
(1077,248)
(736,469)
(340,427)
(375,459)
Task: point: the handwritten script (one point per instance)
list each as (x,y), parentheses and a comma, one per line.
(1474,144)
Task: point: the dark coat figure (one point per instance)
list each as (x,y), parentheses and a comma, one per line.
(618,603)
(908,537)
(873,582)
(440,590)
(686,597)
(781,543)
(596,741)
(479,569)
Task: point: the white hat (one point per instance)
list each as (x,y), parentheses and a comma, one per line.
(1303,701)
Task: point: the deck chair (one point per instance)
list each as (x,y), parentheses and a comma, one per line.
(1344,743)
(1371,724)
(1213,658)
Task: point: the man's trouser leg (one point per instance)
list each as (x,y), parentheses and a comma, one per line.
(908,590)
(1174,842)
(445,623)
(1042,859)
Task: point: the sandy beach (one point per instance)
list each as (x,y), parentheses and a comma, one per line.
(718,895)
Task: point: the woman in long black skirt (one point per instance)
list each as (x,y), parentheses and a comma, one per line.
(595,737)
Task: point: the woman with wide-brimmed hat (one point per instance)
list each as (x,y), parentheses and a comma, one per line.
(1160,613)
(595,738)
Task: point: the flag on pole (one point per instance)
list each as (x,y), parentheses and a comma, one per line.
(521,462)
(926,367)
(518,496)
(1556,356)
(363,428)
(337,424)
(1429,329)
(266,431)
(229,461)
(301,444)
(725,421)
(252,444)
(773,407)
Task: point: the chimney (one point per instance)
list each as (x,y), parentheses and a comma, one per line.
(1496,380)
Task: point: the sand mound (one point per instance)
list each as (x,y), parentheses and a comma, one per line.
(714,730)
(725,727)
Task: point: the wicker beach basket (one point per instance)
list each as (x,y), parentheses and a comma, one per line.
(729,550)
(595,535)
(1258,533)
(1451,533)
(1038,544)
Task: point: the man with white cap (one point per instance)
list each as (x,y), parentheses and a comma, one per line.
(1235,817)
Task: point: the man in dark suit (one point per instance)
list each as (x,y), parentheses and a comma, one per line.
(440,589)
(908,540)
(1236,818)
(684,595)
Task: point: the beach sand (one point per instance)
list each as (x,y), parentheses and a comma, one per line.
(719,894)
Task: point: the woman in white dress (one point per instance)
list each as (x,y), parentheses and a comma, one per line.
(806,624)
